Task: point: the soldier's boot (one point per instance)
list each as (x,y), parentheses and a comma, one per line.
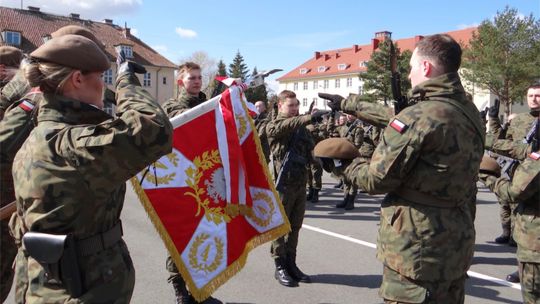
(512,242)
(504,237)
(282,275)
(344,202)
(295,272)
(309,196)
(350,202)
(181,292)
(315,196)
(513,277)
(339,185)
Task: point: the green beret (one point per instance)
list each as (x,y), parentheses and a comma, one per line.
(490,166)
(73,51)
(77,30)
(10,56)
(338,148)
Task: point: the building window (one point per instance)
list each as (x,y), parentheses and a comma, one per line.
(363,63)
(349,82)
(337,83)
(303,71)
(128,50)
(107,76)
(12,38)
(360,90)
(164,80)
(315,84)
(147,80)
(315,101)
(295,86)
(325,84)
(341,66)
(321,69)
(304,102)
(305,85)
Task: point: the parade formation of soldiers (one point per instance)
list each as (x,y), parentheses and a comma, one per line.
(65,163)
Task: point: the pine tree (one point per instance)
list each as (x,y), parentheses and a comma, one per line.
(503,55)
(216,87)
(377,78)
(258,93)
(238,69)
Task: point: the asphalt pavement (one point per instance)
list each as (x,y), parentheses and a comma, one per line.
(336,247)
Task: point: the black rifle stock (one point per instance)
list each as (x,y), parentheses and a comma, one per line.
(400,101)
(508,164)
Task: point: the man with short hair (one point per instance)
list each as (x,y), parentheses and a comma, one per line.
(260,124)
(189,82)
(427,162)
(287,134)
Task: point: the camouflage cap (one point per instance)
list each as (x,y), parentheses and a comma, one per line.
(77,30)
(73,51)
(10,56)
(490,166)
(338,148)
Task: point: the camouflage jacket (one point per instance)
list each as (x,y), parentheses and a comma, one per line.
(505,143)
(260,124)
(524,190)
(279,132)
(14,90)
(184,102)
(372,136)
(70,174)
(427,162)
(352,131)
(370,112)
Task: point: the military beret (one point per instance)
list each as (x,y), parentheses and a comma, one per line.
(73,51)
(77,30)
(490,166)
(10,56)
(339,148)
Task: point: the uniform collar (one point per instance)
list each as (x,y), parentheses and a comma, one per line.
(62,109)
(446,85)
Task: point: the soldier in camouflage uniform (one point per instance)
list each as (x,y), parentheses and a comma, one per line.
(524,192)
(189,81)
(260,123)
(315,171)
(70,176)
(287,133)
(427,162)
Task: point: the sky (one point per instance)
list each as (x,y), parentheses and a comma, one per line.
(276,34)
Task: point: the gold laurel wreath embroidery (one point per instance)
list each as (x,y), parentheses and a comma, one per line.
(252,215)
(202,164)
(204,266)
(243,125)
(151,178)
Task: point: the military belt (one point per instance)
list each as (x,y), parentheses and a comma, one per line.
(426,199)
(100,241)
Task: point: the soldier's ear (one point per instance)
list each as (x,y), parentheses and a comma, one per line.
(180,82)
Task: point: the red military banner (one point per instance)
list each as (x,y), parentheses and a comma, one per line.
(212,199)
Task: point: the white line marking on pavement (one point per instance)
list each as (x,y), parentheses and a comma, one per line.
(371,245)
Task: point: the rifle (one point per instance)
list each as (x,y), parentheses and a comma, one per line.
(508,164)
(291,158)
(352,126)
(400,101)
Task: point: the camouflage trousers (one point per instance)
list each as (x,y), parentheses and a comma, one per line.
(7,256)
(108,277)
(506,214)
(294,203)
(315,172)
(349,188)
(397,289)
(529,275)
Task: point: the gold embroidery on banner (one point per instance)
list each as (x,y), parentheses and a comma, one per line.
(162,180)
(204,265)
(262,222)
(202,164)
(243,125)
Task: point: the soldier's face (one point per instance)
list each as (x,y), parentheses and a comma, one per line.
(533,98)
(192,81)
(92,89)
(289,107)
(259,105)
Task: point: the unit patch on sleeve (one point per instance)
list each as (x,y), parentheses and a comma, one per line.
(535,155)
(398,125)
(26,105)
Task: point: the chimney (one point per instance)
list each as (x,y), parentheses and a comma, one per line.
(374,43)
(417,38)
(356,48)
(317,55)
(33,8)
(108,21)
(326,57)
(75,16)
(127,32)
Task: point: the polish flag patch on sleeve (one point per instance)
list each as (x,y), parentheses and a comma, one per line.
(26,105)
(398,125)
(535,155)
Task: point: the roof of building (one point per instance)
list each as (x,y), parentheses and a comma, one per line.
(349,60)
(34,25)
